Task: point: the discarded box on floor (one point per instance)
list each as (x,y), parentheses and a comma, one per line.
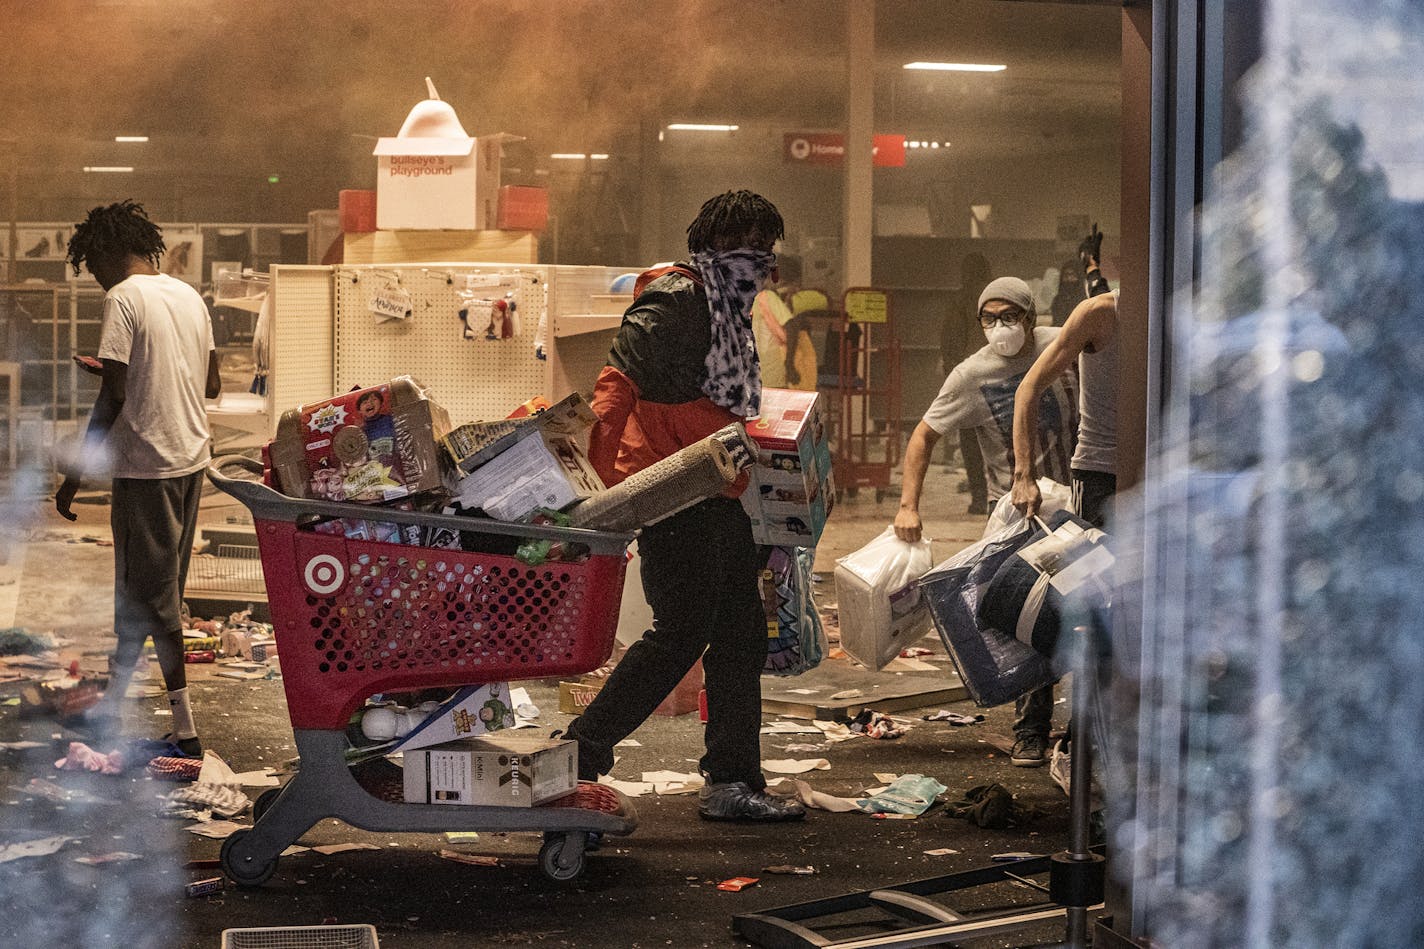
(574,697)
(791,492)
(546,466)
(366,446)
(493,770)
(433,175)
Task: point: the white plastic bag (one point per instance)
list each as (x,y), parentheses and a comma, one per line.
(881,611)
(1056,497)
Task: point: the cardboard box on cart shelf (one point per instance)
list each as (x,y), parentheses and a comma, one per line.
(499,770)
(367,446)
(518,465)
(791,491)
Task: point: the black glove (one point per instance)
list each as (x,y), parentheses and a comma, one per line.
(1090,250)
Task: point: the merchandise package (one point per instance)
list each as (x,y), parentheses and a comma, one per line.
(469,713)
(502,770)
(701,470)
(1065,561)
(994,666)
(368,446)
(796,641)
(1056,497)
(791,491)
(878,595)
(475,443)
(543,470)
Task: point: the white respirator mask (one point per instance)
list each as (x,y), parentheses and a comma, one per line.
(1006,340)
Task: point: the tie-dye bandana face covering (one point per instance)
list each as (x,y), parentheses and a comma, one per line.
(732,278)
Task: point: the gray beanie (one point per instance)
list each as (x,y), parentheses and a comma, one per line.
(1010,290)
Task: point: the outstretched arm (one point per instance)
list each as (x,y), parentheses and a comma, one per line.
(912,482)
(1089,327)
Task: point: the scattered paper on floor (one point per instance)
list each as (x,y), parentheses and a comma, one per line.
(42,847)
(215,829)
(673,782)
(835,731)
(627,788)
(330,849)
(789,728)
(795,765)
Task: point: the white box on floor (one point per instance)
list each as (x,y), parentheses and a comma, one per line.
(493,770)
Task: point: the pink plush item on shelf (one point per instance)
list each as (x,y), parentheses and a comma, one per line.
(83,758)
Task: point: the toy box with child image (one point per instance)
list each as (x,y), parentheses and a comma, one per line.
(367,446)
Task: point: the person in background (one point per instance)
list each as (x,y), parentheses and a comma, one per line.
(957,331)
(783,340)
(149,430)
(683,365)
(1070,290)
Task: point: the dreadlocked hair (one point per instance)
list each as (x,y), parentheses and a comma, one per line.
(115,231)
(730,219)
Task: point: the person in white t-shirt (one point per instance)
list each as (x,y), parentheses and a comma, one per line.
(149,431)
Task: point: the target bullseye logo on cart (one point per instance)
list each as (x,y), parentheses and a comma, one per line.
(324,574)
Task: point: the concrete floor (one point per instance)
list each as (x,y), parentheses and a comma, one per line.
(655,888)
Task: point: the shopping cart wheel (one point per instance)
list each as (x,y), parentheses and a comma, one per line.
(561,856)
(264,803)
(244,872)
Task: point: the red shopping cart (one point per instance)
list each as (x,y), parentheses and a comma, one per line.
(354,618)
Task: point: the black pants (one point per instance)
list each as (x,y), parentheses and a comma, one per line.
(153,520)
(700,570)
(1092,501)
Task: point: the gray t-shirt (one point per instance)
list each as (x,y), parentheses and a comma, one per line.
(979,394)
(159,327)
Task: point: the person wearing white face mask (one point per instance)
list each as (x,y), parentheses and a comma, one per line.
(979,395)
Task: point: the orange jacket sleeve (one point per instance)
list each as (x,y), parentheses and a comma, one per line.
(613,398)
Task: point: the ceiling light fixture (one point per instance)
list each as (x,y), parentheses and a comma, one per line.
(114,168)
(579,156)
(698,127)
(130,138)
(957,67)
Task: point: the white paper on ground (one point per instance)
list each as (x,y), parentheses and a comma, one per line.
(627,788)
(796,765)
(886,777)
(342,848)
(216,829)
(836,731)
(261,778)
(803,691)
(941,852)
(789,728)
(629,743)
(673,782)
(33,848)
(803,792)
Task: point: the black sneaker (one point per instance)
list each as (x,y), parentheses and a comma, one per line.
(736,800)
(1028,751)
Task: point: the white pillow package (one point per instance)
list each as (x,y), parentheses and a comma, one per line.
(881,610)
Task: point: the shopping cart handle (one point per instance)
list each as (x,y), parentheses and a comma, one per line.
(268,505)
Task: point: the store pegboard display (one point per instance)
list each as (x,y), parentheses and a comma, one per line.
(474,378)
(302,339)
